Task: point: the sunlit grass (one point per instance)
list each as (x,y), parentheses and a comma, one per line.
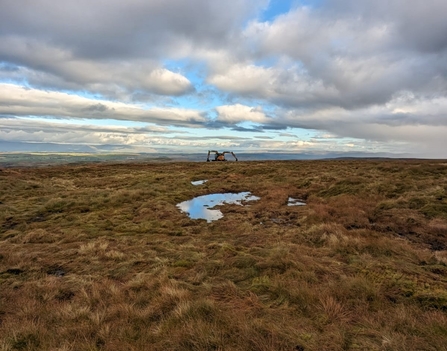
(98,257)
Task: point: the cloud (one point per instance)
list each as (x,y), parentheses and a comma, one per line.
(290,86)
(402,110)
(146,138)
(350,54)
(234,114)
(118,29)
(46,66)
(244,79)
(31,125)
(29,130)
(369,71)
(415,25)
(114,49)
(18,101)
(409,123)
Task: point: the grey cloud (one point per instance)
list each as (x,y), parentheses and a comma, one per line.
(113,49)
(215,124)
(16,101)
(31,131)
(415,25)
(279,125)
(289,135)
(360,52)
(342,126)
(118,29)
(257,129)
(96,108)
(49,67)
(263,137)
(32,126)
(219,137)
(410,131)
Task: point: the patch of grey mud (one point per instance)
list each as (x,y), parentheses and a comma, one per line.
(201,207)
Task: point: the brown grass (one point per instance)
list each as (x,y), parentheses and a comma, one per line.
(98,257)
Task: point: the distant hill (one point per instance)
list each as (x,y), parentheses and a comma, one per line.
(38,153)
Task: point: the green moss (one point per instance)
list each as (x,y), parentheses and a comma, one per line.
(25,342)
(435,209)
(416,203)
(432,299)
(347,186)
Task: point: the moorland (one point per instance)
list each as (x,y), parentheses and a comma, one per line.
(98,257)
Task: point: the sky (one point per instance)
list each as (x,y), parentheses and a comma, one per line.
(288,76)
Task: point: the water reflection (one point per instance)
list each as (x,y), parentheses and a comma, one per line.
(201,207)
(199,182)
(295,202)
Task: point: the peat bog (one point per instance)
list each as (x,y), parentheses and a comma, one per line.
(99,257)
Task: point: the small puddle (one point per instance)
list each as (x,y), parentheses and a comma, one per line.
(201,207)
(295,202)
(199,182)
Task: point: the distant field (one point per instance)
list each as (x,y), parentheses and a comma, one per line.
(98,257)
(33,159)
(9,159)
(39,159)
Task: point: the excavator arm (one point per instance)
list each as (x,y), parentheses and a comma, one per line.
(230,152)
(210,151)
(220,156)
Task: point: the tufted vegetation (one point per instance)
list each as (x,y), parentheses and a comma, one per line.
(98,257)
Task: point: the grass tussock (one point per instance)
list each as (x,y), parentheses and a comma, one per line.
(98,257)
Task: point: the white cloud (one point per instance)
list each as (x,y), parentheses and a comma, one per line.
(234,114)
(166,82)
(244,79)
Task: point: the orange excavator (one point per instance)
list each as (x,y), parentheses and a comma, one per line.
(219,156)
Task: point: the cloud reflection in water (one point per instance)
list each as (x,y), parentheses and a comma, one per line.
(201,207)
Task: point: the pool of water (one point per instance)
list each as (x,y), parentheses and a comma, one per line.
(201,207)
(295,202)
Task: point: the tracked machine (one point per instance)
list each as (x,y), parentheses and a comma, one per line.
(219,156)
